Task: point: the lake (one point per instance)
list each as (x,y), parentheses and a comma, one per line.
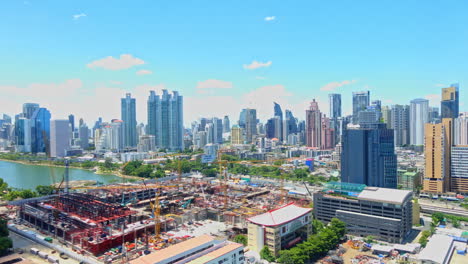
(29,176)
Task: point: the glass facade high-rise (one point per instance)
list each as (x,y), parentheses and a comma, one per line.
(165,119)
(361,101)
(23,134)
(419,116)
(400,124)
(368,156)
(29,109)
(250,124)
(335,105)
(450,102)
(279,121)
(40,130)
(226,124)
(71,119)
(128,114)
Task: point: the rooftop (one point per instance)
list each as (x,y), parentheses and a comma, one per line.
(437,249)
(384,195)
(173,250)
(280,216)
(216,254)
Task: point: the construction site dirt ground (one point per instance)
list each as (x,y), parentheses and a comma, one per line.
(199,228)
(351,253)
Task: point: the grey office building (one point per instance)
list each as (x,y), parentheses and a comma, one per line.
(250,124)
(128,111)
(459,169)
(361,101)
(368,156)
(59,137)
(400,124)
(385,214)
(165,120)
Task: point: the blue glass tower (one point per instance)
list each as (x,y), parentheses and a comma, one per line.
(40,130)
(368,156)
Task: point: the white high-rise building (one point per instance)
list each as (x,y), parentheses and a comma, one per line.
(460,130)
(419,116)
(165,119)
(59,137)
(116,137)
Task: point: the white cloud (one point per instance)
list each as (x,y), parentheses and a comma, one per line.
(110,63)
(214,84)
(144,72)
(441,85)
(78,16)
(334,85)
(270,18)
(255,65)
(218,106)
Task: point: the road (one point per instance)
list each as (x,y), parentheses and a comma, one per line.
(20,242)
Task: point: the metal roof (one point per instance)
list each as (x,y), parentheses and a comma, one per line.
(280,216)
(438,249)
(384,195)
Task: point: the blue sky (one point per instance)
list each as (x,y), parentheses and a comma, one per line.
(56,53)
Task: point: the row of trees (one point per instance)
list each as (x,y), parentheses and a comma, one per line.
(324,238)
(10,194)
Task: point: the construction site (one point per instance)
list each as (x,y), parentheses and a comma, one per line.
(128,220)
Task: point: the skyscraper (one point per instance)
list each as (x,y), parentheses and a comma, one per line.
(387,116)
(23,134)
(250,124)
(434,116)
(116,135)
(40,130)
(400,124)
(237,135)
(29,109)
(335,105)
(279,121)
(313,125)
(459,169)
(437,148)
(83,133)
(217,130)
(71,119)
(460,130)
(449,104)
(128,114)
(59,137)
(242,118)
(226,124)
(328,134)
(419,116)
(368,156)
(165,119)
(361,101)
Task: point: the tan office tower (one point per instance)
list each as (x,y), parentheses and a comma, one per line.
(437,145)
(236,135)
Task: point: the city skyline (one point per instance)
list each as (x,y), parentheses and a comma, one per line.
(87,78)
